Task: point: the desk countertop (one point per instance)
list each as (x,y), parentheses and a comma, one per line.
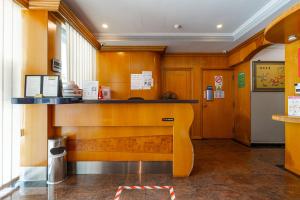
(61,100)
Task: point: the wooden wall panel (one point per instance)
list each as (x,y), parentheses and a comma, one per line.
(146,61)
(34,143)
(246,50)
(292,153)
(178,78)
(179,67)
(114,70)
(242,121)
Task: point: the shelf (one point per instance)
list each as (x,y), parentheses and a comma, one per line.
(286,118)
(62,100)
(45,100)
(285,25)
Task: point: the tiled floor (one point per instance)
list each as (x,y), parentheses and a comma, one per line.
(223,170)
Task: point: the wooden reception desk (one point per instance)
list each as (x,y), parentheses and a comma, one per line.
(126,130)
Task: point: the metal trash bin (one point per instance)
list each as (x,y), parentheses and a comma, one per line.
(57,160)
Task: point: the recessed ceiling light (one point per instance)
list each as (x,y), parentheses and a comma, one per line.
(104,26)
(292,38)
(177,26)
(219,26)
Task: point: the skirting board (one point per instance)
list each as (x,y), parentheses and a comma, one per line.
(140,167)
(33,174)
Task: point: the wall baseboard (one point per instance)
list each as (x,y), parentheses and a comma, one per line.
(267,145)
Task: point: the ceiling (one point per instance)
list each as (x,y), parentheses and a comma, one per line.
(151,22)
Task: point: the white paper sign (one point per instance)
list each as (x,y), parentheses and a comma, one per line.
(33,86)
(219,94)
(136,81)
(50,86)
(294,106)
(90,90)
(147,80)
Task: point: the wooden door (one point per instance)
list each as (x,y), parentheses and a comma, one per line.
(218,114)
(178,81)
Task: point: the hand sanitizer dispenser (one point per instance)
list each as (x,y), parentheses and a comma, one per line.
(209,93)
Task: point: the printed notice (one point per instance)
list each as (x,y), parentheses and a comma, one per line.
(33,86)
(50,86)
(90,90)
(136,82)
(147,80)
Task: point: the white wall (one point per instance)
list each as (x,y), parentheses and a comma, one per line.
(265,104)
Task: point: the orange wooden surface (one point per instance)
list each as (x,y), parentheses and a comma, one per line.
(285,25)
(292,130)
(123,120)
(247,49)
(114,69)
(218,114)
(242,118)
(34,141)
(182,73)
(286,118)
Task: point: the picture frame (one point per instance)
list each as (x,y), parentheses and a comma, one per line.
(50,86)
(268,76)
(33,85)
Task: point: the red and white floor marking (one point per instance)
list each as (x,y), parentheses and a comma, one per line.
(121,188)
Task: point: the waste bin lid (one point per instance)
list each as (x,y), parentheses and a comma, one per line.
(57,150)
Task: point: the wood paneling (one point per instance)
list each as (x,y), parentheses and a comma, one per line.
(34,143)
(286,118)
(292,130)
(23,3)
(248,49)
(114,70)
(143,144)
(278,31)
(218,114)
(285,25)
(182,73)
(242,118)
(123,120)
(178,78)
(50,5)
(159,49)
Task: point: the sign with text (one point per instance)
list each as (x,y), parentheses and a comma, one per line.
(241,79)
(218,82)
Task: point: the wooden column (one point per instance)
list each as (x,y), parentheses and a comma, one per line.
(34,141)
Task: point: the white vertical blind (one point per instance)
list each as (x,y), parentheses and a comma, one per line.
(81,57)
(10,85)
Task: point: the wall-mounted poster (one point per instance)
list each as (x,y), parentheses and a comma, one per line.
(268,76)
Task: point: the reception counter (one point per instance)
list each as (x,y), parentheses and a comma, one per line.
(125,130)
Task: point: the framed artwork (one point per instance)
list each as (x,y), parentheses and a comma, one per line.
(268,76)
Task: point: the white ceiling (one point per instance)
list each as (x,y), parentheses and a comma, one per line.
(150,22)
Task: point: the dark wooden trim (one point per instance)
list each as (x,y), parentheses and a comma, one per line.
(22,3)
(73,20)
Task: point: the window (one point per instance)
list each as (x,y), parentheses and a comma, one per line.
(10,84)
(64,58)
(81,57)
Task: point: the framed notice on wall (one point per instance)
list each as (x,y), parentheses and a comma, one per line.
(33,85)
(268,76)
(50,86)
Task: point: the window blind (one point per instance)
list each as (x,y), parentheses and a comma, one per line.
(10,85)
(81,57)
